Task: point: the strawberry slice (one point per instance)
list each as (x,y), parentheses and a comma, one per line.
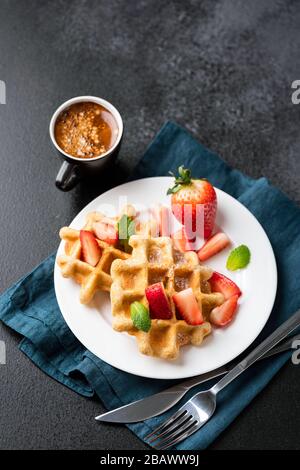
(162,216)
(164,221)
(106,231)
(222,315)
(216,243)
(221,283)
(90,250)
(181,241)
(188,306)
(158,302)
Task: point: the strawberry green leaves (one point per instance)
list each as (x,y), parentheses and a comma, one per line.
(140,316)
(184,177)
(238,258)
(126,228)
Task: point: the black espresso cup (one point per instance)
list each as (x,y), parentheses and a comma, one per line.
(73,169)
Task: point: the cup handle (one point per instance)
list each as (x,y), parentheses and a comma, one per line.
(67,177)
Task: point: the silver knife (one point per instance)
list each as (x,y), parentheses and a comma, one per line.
(160,402)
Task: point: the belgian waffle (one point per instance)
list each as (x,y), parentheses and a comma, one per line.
(91,279)
(155,260)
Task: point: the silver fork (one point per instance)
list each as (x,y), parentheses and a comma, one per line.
(200,408)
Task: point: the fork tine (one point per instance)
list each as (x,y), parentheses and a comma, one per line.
(180,438)
(178,432)
(166,423)
(172,427)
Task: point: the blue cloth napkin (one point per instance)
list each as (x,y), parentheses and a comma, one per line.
(30,308)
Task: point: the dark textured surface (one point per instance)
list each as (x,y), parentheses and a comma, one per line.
(222,69)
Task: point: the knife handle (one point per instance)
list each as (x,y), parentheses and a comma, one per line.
(280,333)
(199,379)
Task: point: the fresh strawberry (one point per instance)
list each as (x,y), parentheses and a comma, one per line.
(181,241)
(194,203)
(106,231)
(90,250)
(188,306)
(222,315)
(158,302)
(162,216)
(216,243)
(221,283)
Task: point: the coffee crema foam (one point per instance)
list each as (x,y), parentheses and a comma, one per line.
(86,130)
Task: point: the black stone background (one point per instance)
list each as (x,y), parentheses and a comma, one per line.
(222,69)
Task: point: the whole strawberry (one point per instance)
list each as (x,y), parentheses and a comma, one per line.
(191,197)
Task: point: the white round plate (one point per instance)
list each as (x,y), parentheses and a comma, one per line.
(92,324)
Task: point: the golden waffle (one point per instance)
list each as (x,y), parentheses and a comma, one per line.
(155,260)
(91,279)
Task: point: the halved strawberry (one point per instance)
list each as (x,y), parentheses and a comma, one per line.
(214,245)
(221,283)
(181,241)
(188,306)
(90,250)
(222,315)
(106,231)
(158,302)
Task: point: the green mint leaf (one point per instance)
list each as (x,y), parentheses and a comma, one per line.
(140,316)
(122,227)
(238,258)
(131,228)
(126,228)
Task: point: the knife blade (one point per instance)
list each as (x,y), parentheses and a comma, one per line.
(157,404)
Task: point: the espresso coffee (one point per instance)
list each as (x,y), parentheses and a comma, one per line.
(86,130)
